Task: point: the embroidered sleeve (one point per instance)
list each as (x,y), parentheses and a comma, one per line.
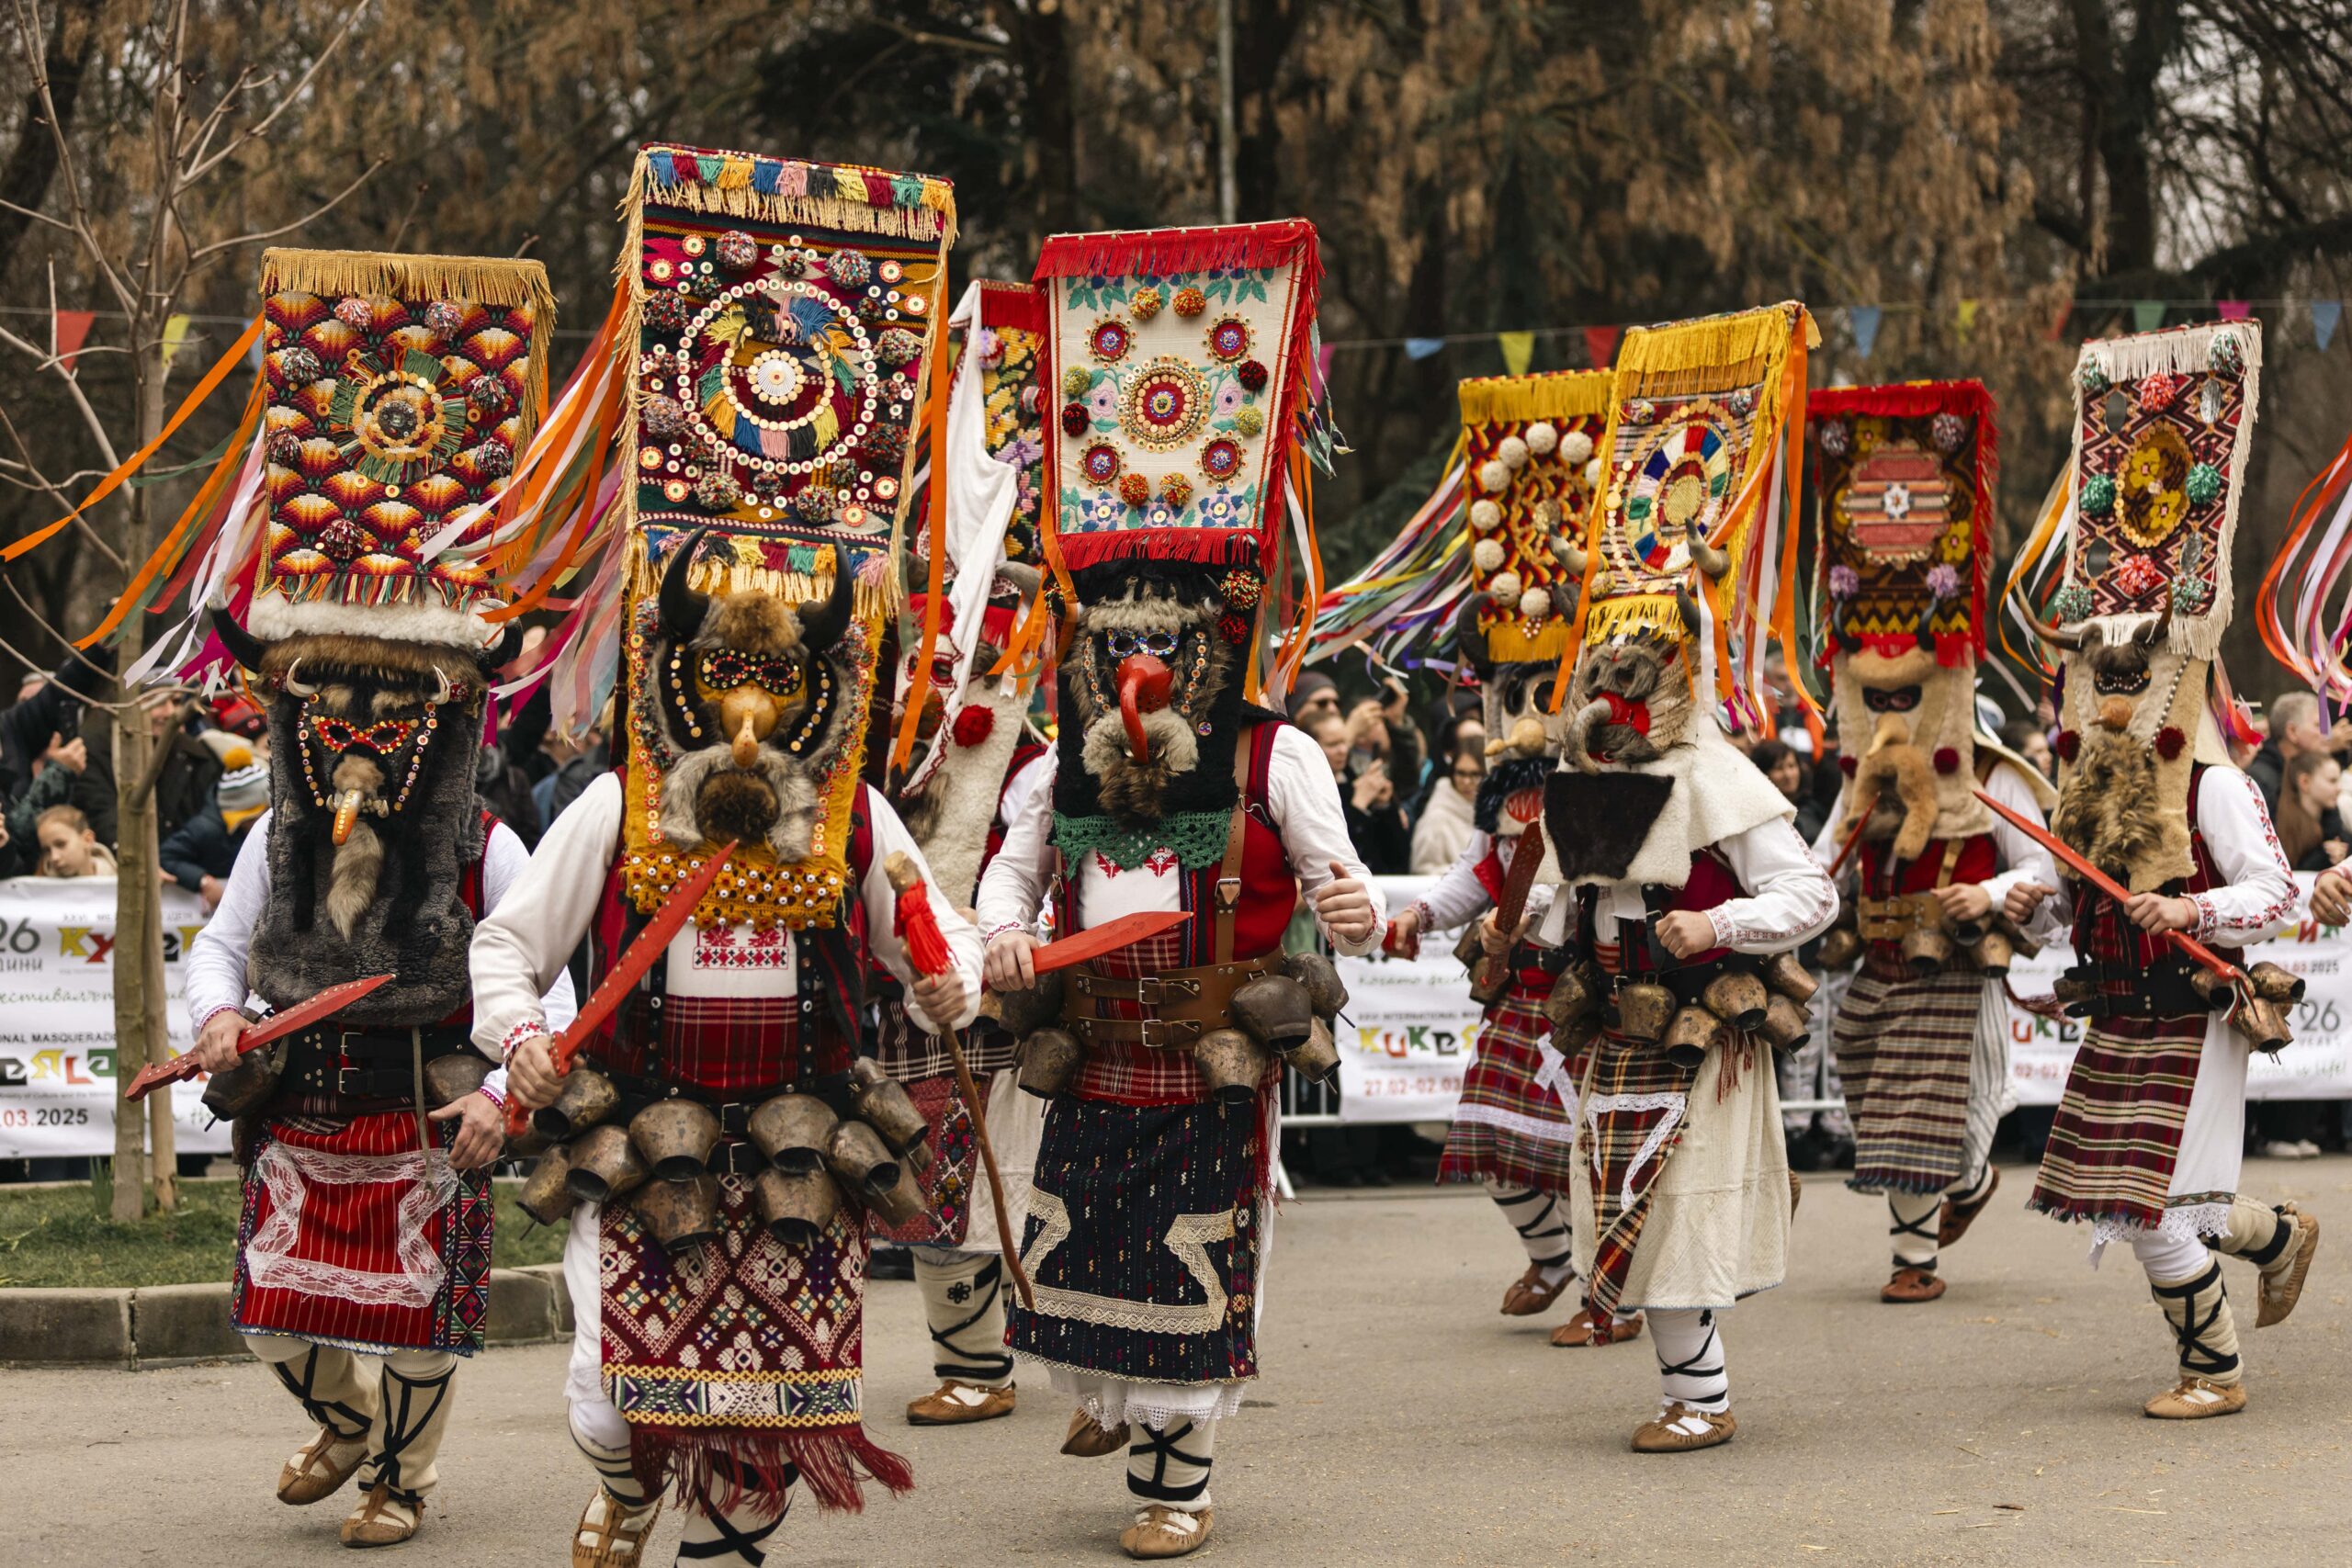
(1791,900)
(2257,899)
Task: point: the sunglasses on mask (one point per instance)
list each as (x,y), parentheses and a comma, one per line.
(726,668)
(1902,699)
(1159,645)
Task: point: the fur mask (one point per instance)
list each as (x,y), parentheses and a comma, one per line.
(1915,779)
(2131,728)
(748,704)
(1136,616)
(1633,699)
(1523,741)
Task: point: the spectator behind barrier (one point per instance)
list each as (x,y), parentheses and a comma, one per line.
(1442,831)
(68,847)
(1376,823)
(200,856)
(2309,830)
(2025,738)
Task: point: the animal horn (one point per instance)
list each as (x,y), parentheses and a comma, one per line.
(1704,556)
(247,650)
(294,684)
(823,621)
(682,607)
(1690,608)
(2054,636)
(441,684)
(1579,731)
(1570,555)
(501,654)
(1465,631)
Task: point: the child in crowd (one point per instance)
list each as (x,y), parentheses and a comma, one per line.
(68,847)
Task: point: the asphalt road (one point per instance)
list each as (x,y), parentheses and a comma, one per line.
(1404,1421)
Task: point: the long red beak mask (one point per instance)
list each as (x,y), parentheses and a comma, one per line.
(1145,685)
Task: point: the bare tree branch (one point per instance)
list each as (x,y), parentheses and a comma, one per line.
(196,169)
(73,388)
(197,255)
(56,490)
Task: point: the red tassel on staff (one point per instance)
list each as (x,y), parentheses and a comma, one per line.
(916,925)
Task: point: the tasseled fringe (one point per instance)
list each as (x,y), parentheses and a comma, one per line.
(841,197)
(489,280)
(807,575)
(1632,614)
(1712,354)
(1559,394)
(1156,252)
(1018,306)
(2181,350)
(1206,547)
(834,1464)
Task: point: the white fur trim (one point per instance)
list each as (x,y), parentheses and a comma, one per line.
(274,616)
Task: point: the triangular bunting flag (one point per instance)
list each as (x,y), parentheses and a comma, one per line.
(2147,315)
(2058,322)
(2234,309)
(72,330)
(1964,320)
(1518,349)
(1864,320)
(1600,346)
(2326,313)
(1422,347)
(174,335)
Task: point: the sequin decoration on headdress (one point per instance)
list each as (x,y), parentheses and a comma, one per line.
(1698,480)
(1904,481)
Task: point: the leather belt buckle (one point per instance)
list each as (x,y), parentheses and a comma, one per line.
(343,1085)
(734,1118)
(1228,892)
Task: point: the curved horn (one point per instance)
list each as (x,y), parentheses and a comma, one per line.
(247,650)
(682,607)
(1570,555)
(293,681)
(441,686)
(1689,607)
(823,621)
(2054,636)
(1704,556)
(2149,635)
(1466,640)
(501,654)
(1580,731)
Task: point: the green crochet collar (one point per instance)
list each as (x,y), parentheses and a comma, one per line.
(1196,837)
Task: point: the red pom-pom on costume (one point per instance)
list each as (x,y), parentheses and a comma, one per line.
(2070,745)
(1234,629)
(1947,759)
(2169,740)
(972,726)
(1849,765)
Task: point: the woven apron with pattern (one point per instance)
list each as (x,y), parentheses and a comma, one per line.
(1904,1044)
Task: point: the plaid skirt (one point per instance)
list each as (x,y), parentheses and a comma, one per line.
(1516,1126)
(1636,1103)
(1905,1045)
(353,1235)
(2116,1140)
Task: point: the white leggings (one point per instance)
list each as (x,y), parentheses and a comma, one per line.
(2169,1259)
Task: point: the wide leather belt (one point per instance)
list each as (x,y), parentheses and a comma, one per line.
(365,1063)
(2161,989)
(1188,1002)
(733,1107)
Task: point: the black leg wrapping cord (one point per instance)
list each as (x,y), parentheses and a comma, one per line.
(2189,1330)
(734,1541)
(2268,1253)
(409,1404)
(1924,1227)
(1541,1225)
(332,1414)
(1710,1378)
(1159,1448)
(968,1365)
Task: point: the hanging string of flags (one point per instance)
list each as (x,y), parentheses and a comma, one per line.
(1861,323)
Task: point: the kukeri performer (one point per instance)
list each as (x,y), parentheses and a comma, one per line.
(977,765)
(1683,875)
(396,390)
(1904,476)
(1528,454)
(2147,1142)
(1169,792)
(721,1142)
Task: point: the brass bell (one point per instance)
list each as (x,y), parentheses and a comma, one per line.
(1643,1009)
(676,1137)
(1790,978)
(1575,994)
(1993,953)
(1785,1023)
(547,1197)
(2212,989)
(1841,947)
(1737,999)
(528,1143)
(1689,1034)
(796,1206)
(860,1160)
(791,1130)
(1230,1064)
(586,1098)
(885,1106)
(1574,1040)
(245,1088)
(1926,950)
(1325,990)
(1024,1013)
(1049,1059)
(1318,1058)
(900,1202)
(1275,1011)
(2273,983)
(449,1078)
(681,1215)
(605,1165)
(2261,1024)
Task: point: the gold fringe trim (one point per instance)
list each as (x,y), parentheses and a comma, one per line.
(847,211)
(1632,614)
(872,599)
(1508,642)
(1559,394)
(1712,354)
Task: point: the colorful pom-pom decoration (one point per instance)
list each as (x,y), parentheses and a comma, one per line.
(1175,490)
(2098,495)
(1134,489)
(1543,438)
(1191,301)
(1494,475)
(1504,586)
(1077,381)
(973,725)
(1486,555)
(1534,605)
(2070,745)
(2169,742)
(1074,419)
(1145,303)
(2203,485)
(1252,375)
(1576,447)
(1513,453)
(1241,588)
(716,491)
(1946,761)
(1484,516)
(1249,421)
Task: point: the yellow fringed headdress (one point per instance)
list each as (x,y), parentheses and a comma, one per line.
(1529,445)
